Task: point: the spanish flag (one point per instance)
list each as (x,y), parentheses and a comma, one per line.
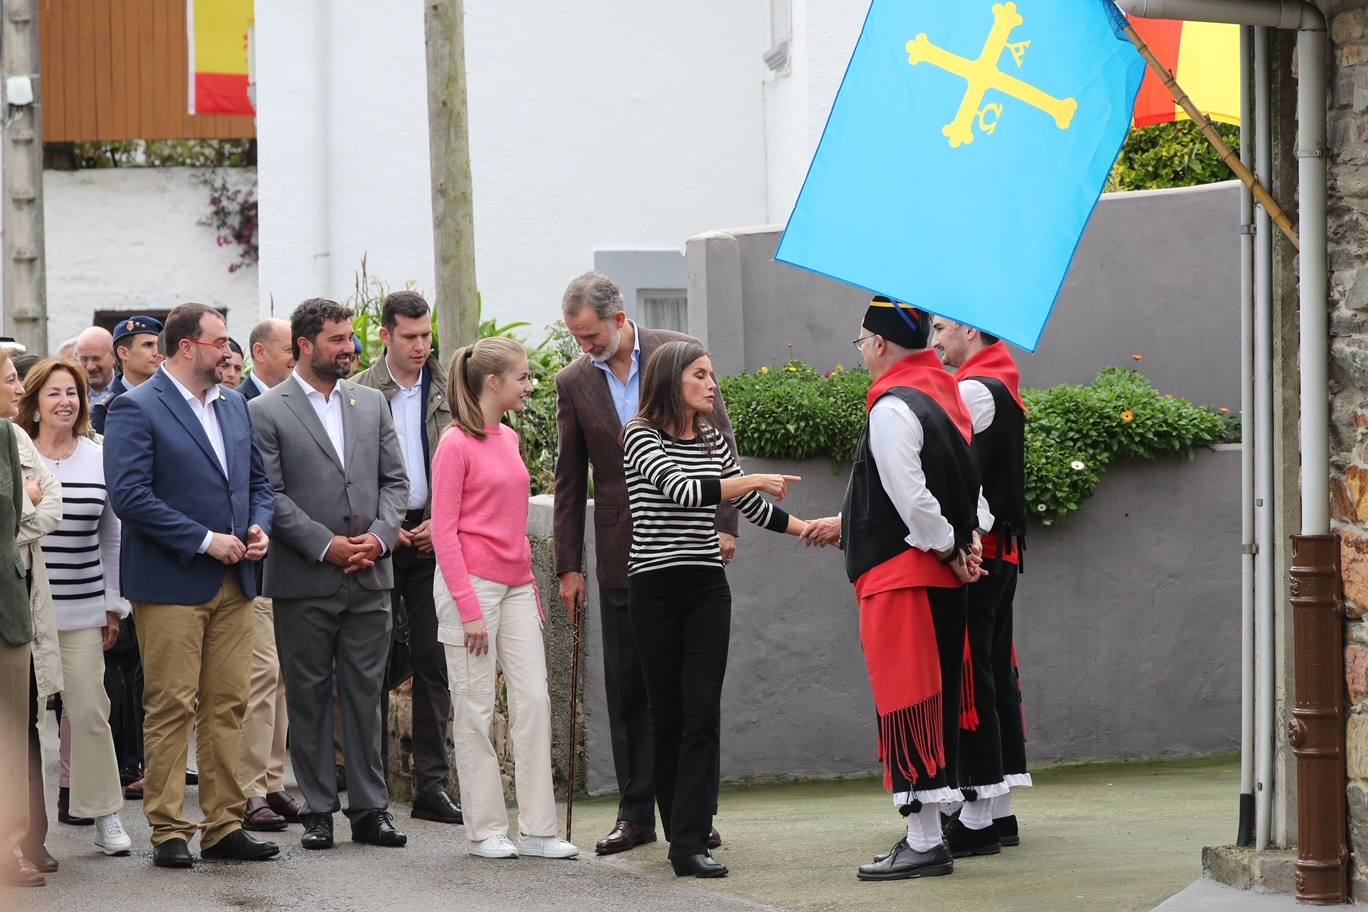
(1205,59)
(220,46)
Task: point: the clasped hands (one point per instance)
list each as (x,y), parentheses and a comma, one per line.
(229,549)
(355,553)
(968,566)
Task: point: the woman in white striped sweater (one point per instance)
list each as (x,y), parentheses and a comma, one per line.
(679,468)
(82,560)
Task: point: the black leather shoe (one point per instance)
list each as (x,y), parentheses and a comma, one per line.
(436,805)
(964,842)
(64,810)
(703,865)
(625,835)
(318,831)
(191,777)
(1007,830)
(714,839)
(42,860)
(902,863)
(238,846)
(377,828)
(174,853)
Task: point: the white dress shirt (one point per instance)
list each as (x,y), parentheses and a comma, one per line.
(329,412)
(895,440)
(980,402)
(261,387)
(407,409)
(207,416)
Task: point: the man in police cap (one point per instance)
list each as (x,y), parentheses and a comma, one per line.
(135,349)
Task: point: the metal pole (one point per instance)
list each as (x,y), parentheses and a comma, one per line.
(572,780)
(1245,834)
(25,269)
(1265,584)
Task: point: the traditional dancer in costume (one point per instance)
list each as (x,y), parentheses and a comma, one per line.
(993,735)
(908,530)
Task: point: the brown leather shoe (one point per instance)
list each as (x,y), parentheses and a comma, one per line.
(261,819)
(625,835)
(134,790)
(714,839)
(283,803)
(20,873)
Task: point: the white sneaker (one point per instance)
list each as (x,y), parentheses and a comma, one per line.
(546,847)
(111,837)
(494,847)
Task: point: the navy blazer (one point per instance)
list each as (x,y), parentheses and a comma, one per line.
(168,489)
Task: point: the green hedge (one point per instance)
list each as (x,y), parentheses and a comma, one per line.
(1073,432)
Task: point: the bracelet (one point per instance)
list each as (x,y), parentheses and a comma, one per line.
(954,556)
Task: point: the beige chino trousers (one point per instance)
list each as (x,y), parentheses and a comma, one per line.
(515,644)
(95,788)
(14,728)
(261,769)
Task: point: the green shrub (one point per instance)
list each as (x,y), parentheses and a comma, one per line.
(1171,155)
(1073,432)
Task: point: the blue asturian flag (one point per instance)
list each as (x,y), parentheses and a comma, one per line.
(967,147)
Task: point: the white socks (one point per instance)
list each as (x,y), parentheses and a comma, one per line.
(1002,806)
(977,815)
(924,828)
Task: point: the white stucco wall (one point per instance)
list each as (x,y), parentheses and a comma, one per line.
(614,124)
(798,100)
(127,239)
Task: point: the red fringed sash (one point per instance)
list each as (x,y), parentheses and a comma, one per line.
(969,717)
(899,640)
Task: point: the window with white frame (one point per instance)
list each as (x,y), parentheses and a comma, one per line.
(663,308)
(781,35)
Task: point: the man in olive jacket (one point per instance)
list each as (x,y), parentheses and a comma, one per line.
(414,382)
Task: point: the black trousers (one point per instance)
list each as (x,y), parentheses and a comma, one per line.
(981,749)
(629,718)
(415,616)
(124,685)
(682,621)
(36,836)
(1007,679)
(948,607)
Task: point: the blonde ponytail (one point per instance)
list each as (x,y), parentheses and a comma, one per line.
(470,367)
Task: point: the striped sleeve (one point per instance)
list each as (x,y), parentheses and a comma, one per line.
(751,505)
(646,455)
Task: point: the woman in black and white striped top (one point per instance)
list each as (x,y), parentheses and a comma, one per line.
(678,469)
(81,557)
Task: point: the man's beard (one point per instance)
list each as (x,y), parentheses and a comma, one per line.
(611,348)
(339,368)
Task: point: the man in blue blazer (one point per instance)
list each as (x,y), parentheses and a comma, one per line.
(196,506)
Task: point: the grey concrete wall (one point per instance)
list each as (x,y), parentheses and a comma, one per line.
(1127,628)
(1157,274)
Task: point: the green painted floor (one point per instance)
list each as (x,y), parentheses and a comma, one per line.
(1115,836)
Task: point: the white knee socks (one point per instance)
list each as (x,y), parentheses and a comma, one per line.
(1002,806)
(977,815)
(924,829)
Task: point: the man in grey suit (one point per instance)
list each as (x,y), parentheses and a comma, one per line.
(341,491)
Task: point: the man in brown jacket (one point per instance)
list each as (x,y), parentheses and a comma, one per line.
(595,397)
(414,382)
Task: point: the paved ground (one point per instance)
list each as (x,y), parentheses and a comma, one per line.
(1208,896)
(1108,837)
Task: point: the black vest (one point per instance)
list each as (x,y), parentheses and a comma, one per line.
(1000,452)
(871,529)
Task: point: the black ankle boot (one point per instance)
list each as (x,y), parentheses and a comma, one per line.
(63,810)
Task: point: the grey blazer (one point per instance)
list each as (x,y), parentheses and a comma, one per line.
(316,498)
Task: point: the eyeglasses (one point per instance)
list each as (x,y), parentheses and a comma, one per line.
(859,343)
(221,345)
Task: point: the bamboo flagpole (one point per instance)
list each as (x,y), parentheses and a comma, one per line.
(1228,155)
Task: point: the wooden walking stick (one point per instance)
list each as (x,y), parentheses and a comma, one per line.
(1228,155)
(572,781)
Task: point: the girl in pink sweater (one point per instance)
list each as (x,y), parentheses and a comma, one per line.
(488,609)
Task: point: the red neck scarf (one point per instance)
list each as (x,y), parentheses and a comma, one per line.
(995,363)
(923,371)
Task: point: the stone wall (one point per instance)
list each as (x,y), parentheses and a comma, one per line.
(1348,248)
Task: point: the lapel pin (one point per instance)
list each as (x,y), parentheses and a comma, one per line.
(352,402)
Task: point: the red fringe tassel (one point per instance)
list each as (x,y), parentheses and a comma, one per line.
(912,729)
(969,717)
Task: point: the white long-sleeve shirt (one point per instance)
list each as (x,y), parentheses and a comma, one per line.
(895,440)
